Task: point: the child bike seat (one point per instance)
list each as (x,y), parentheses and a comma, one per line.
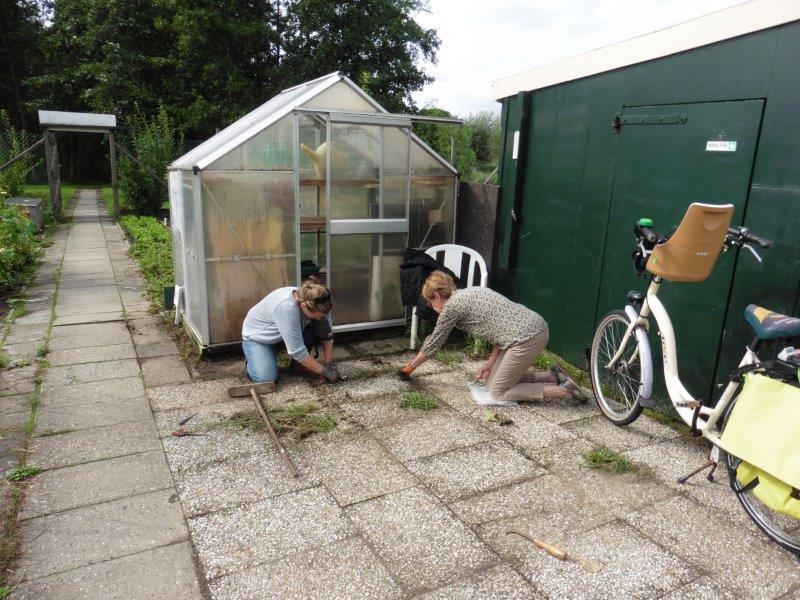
(770,325)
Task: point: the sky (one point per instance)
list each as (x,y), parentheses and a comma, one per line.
(485,41)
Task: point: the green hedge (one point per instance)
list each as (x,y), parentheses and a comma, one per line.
(152,247)
(19,246)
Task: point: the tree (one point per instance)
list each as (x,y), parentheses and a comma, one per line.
(20,57)
(438,136)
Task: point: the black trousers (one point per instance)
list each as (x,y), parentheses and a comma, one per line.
(315,333)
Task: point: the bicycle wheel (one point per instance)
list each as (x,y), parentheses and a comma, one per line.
(781,528)
(616,389)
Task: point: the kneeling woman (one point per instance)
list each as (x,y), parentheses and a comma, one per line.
(519,335)
(299,318)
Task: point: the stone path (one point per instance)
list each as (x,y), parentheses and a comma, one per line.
(392,503)
(102,520)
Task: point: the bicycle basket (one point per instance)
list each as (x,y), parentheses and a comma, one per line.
(763,430)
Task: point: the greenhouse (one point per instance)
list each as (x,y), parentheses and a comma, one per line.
(319,180)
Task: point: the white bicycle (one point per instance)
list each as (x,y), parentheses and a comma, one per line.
(621,366)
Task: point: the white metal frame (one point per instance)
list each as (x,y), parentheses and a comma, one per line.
(681,399)
(453,254)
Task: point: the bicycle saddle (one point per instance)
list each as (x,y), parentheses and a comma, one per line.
(770,325)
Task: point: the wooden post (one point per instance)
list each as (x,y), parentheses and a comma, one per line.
(53,175)
(112,145)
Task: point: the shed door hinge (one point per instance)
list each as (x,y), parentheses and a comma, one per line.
(619,120)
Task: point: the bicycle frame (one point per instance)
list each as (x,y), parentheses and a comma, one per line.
(681,399)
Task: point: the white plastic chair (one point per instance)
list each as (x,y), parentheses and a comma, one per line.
(453,260)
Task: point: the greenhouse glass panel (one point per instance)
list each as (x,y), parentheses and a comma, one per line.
(270,150)
(176,225)
(342,97)
(395,172)
(365,277)
(432,200)
(312,132)
(249,243)
(355,171)
(193,251)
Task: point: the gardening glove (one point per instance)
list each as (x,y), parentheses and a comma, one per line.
(331,366)
(330,375)
(405,372)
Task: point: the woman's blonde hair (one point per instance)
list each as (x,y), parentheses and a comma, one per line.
(315,296)
(439,283)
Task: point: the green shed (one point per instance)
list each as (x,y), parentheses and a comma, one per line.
(705,111)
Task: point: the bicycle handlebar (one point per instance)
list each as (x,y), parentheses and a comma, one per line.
(745,236)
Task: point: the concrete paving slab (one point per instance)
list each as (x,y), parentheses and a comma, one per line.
(18,381)
(93,391)
(15,420)
(346,569)
(382,346)
(166,348)
(355,468)
(622,492)
(15,404)
(84,446)
(238,538)
(26,334)
(87,416)
(634,567)
(87,309)
(12,443)
(78,281)
(398,361)
(501,581)
(423,545)
(748,562)
(378,412)
(546,494)
(91,534)
(76,356)
(361,389)
(92,483)
(241,480)
(164,370)
(198,394)
(530,431)
(22,351)
(465,472)
(97,334)
(642,432)
(440,431)
(563,411)
(86,372)
(702,588)
(90,318)
(37,317)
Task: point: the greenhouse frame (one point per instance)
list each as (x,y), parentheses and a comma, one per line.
(319,180)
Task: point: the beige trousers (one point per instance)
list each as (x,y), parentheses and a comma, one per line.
(509,379)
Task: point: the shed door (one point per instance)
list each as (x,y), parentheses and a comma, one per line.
(670,156)
(368,186)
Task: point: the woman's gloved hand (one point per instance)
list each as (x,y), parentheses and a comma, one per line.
(332,366)
(405,372)
(330,374)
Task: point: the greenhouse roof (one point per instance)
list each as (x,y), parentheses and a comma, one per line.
(265,115)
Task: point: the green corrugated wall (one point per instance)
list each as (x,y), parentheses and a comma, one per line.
(551,258)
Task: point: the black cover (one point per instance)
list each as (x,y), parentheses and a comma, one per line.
(414,271)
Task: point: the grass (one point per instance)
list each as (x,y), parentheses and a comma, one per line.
(478,348)
(42,350)
(418,401)
(448,357)
(371,372)
(609,461)
(4,591)
(297,420)
(3,360)
(152,247)
(22,473)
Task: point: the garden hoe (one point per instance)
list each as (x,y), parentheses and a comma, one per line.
(253,390)
(559,553)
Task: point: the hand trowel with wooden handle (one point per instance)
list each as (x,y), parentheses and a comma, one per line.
(559,553)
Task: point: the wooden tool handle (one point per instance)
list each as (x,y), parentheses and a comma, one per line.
(551,549)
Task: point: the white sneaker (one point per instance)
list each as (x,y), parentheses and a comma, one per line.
(484,398)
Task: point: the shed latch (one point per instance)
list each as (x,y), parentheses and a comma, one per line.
(619,120)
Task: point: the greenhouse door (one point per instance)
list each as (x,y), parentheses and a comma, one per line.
(367,183)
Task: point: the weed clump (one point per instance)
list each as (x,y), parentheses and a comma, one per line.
(22,473)
(297,420)
(418,401)
(609,461)
(448,357)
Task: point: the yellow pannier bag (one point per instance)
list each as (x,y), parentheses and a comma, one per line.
(763,430)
